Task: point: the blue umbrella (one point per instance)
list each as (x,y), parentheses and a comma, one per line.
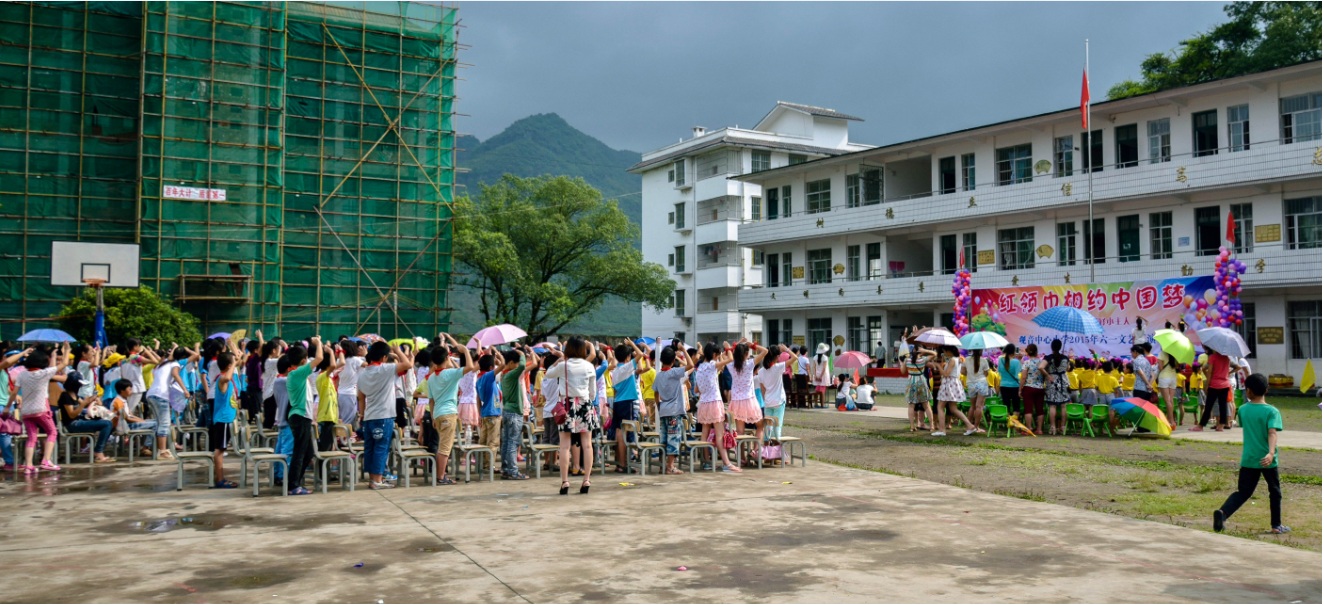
(99,329)
(225,335)
(539,350)
(646,340)
(47,335)
(1070,320)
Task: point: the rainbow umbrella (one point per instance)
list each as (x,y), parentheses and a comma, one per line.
(1141,413)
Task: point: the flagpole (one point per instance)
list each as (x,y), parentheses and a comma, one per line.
(1089,168)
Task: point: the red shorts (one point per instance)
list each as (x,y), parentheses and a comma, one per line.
(41,423)
(1033,400)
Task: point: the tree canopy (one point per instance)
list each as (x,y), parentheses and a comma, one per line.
(130,313)
(1258,37)
(544,251)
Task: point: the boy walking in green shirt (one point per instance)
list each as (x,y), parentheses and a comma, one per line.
(512,409)
(1260,423)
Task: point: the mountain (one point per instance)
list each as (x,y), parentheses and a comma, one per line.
(546,144)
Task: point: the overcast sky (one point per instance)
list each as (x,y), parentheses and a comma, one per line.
(638,75)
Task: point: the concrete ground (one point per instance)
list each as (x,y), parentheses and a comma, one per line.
(1298,439)
(817,534)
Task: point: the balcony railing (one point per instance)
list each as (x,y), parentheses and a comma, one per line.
(728,258)
(726,208)
(1182,173)
(1268,266)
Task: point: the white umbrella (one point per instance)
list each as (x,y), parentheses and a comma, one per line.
(1223,340)
(938,336)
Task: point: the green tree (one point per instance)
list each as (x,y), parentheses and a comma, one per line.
(130,313)
(1259,36)
(544,251)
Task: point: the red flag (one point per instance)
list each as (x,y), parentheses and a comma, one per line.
(961,263)
(1084,99)
(1231,229)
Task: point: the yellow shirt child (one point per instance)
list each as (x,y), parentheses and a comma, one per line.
(1128,381)
(1106,384)
(1088,378)
(1073,380)
(1197,382)
(994,380)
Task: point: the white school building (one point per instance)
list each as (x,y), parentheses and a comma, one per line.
(692,211)
(861,243)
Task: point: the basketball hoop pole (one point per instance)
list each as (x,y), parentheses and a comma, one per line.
(99,329)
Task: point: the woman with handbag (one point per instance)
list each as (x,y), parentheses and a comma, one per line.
(711,415)
(9,423)
(574,413)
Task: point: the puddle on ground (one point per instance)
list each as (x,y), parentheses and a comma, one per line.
(215,521)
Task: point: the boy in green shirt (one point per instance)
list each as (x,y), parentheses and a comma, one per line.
(512,408)
(1260,423)
(299,418)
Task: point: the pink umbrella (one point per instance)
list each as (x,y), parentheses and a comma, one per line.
(496,335)
(851,360)
(783,357)
(545,345)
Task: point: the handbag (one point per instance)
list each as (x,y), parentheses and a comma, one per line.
(771,452)
(560,410)
(10,425)
(728,439)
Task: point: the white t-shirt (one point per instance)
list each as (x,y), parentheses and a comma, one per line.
(469,388)
(213,374)
(268,377)
(551,391)
(770,379)
(349,377)
(89,380)
(580,378)
(33,387)
(161,380)
(864,394)
(133,372)
(377,384)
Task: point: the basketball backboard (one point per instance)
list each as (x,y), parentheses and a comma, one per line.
(74,262)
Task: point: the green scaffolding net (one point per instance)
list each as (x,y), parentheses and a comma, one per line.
(327,126)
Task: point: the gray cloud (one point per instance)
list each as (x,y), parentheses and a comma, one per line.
(638,75)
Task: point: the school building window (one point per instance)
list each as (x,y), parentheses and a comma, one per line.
(1204,132)
(820,331)
(1016,248)
(818,196)
(1302,218)
(760,160)
(1243,227)
(1014,164)
(1303,316)
(1160,140)
(1062,155)
(820,266)
(1238,127)
(968,172)
(1208,232)
(1300,117)
(1126,146)
(1066,244)
(1160,235)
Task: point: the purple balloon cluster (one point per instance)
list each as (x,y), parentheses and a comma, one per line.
(961,303)
(1226,310)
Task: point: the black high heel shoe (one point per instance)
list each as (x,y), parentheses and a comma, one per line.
(583,487)
(565,487)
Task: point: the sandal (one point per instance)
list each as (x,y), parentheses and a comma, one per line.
(225,484)
(731,468)
(446,481)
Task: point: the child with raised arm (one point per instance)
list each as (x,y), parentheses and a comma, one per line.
(669,392)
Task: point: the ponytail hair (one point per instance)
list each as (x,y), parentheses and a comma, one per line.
(1007,352)
(738,356)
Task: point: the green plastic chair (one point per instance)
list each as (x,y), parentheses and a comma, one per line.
(1240,397)
(1099,414)
(1190,406)
(992,400)
(997,414)
(1076,413)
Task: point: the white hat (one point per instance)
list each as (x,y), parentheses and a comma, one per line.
(823,348)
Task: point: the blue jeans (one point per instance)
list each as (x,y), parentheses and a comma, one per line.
(512,427)
(7,449)
(162,413)
(100,427)
(670,429)
(377,444)
(284,447)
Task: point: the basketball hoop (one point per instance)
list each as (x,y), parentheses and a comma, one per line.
(94,282)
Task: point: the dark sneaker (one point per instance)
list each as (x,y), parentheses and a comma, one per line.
(1218,520)
(1281,529)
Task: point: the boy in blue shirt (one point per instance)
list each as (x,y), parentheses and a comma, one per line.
(1260,423)
(489,404)
(625,405)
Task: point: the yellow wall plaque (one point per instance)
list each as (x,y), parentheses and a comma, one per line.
(798,341)
(986,257)
(797,272)
(1268,233)
(1269,336)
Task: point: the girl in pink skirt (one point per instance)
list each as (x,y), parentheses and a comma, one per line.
(744,407)
(468,404)
(710,413)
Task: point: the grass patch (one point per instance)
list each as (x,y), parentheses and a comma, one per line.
(1030,495)
(1155,448)
(1301,479)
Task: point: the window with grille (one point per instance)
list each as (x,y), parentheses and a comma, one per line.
(1302,220)
(1016,248)
(1160,141)
(1303,316)
(818,196)
(1300,117)
(1238,127)
(1014,164)
(1160,235)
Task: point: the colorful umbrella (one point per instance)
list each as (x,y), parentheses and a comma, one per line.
(1222,340)
(1016,424)
(1176,344)
(851,360)
(414,342)
(1070,320)
(938,336)
(496,335)
(46,335)
(982,340)
(646,340)
(370,338)
(1141,413)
